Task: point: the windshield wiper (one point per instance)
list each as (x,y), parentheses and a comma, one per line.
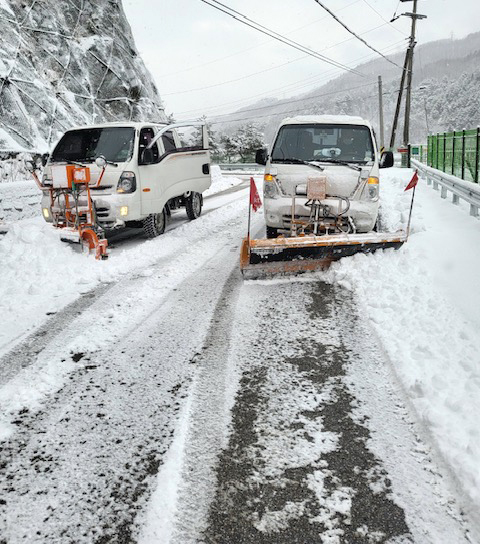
(343,163)
(300,161)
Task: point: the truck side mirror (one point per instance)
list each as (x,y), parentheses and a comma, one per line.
(29,166)
(45,158)
(261,156)
(386,160)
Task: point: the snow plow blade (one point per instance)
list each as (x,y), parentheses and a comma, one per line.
(280,256)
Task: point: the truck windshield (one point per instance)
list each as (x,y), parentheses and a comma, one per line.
(85,145)
(329,143)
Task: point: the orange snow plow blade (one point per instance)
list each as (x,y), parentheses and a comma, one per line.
(292,255)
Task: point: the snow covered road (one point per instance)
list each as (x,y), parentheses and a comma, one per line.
(174,403)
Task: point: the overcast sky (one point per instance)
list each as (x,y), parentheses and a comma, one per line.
(204,61)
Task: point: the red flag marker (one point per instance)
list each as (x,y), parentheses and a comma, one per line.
(254,196)
(411,185)
(413,182)
(254,203)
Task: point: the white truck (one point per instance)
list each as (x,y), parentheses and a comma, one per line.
(339,148)
(147,171)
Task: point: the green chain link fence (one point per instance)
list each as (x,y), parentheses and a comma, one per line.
(456,153)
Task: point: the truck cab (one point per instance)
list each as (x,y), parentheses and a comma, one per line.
(339,150)
(147,169)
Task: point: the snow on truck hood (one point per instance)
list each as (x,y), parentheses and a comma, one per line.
(341,180)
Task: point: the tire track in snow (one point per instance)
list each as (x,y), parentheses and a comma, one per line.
(81,468)
(202,435)
(25,353)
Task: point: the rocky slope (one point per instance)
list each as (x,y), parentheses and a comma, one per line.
(65,63)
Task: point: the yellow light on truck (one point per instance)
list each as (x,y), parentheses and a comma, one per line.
(268,177)
(124,211)
(46,213)
(372,181)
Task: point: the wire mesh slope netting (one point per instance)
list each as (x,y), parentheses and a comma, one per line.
(66,63)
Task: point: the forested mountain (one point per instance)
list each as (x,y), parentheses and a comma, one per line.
(68,62)
(446,93)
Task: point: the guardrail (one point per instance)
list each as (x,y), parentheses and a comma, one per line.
(242,168)
(460,189)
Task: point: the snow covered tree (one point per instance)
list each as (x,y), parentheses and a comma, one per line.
(247,140)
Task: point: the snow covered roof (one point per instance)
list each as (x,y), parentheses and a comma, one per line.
(134,124)
(325,119)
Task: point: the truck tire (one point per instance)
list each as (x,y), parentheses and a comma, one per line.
(155,224)
(272,232)
(193,205)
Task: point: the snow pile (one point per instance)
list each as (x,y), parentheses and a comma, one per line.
(19,200)
(424,302)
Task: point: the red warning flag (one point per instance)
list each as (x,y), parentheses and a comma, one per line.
(413,181)
(254,196)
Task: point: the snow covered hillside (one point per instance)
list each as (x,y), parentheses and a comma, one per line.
(65,63)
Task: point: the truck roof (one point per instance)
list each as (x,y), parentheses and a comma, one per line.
(325,119)
(133,124)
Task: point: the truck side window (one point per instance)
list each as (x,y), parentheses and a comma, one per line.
(146,136)
(168,142)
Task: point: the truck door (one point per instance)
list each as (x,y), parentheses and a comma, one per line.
(184,167)
(151,190)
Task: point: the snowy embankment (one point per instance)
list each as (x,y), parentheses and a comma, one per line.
(424,302)
(18,200)
(40,275)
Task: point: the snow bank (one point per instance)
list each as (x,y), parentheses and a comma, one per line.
(424,302)
(19,200)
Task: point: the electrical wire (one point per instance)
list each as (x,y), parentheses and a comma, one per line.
(197,66)
(289,111)
(311,80)
(304,99)
(279,37)
(353,33)
(383,19)
(267,69)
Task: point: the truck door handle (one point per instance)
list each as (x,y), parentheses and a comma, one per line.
(206,168)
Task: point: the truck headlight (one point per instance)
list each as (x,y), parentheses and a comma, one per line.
(372,189)
(270,189)
(46,213)
(127,183)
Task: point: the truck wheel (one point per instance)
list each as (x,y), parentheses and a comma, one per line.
(193,205)
(155,224)
(272,232)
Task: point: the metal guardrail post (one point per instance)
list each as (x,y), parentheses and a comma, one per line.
(444,150)
(453,154)
(476,154)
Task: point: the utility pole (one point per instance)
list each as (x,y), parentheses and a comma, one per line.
(380,109)
(407,73)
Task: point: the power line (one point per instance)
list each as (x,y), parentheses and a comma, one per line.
(196,66)
(354,34)
(283,87)
(279,37)
(383,19)
(304,99)
(289,111)
(266,69)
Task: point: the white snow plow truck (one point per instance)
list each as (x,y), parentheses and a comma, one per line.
(321,196)
(137,174)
